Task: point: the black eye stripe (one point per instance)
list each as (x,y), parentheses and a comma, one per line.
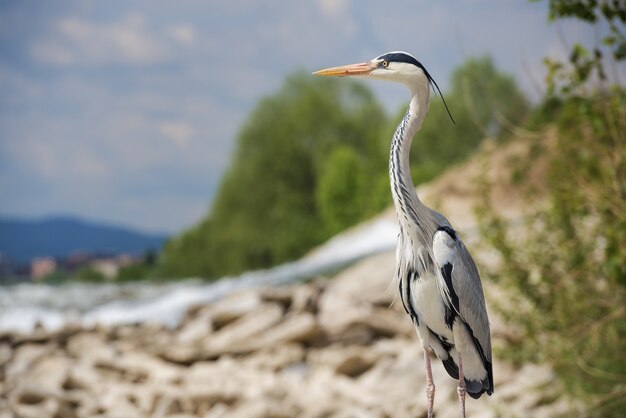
(400,57)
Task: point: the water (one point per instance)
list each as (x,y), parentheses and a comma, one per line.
(24,305)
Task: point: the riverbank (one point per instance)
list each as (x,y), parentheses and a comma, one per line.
(337,348)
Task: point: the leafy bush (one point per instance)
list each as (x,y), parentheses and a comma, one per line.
(566,266)
(566,270)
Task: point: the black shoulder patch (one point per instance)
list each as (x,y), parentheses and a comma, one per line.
(448,231)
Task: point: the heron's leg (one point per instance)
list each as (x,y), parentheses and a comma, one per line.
(461,389)
(430,385)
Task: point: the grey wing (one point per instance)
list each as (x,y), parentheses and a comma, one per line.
(459,283)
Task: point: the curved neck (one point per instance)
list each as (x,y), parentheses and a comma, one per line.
(407,203)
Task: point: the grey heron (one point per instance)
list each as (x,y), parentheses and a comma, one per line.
(437,278)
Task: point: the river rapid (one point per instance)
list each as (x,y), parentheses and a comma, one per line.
(27,305)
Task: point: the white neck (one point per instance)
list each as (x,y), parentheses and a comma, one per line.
(407,203)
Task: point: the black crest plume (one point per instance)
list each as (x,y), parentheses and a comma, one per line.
(409,59)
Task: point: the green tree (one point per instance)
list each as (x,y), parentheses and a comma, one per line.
(490,98)
(267,209)
(190,253)
(340,194)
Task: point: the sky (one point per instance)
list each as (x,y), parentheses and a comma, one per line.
(127,112)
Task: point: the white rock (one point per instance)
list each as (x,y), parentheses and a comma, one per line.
(301,327)
(239,336)
(234,307)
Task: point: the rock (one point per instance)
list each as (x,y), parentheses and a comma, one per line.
(355,311)
(257,408)
(368,283)
(48,374)
(196,328)
(282,295)
(306,297)
(47,408)
(239,336)
(301,328)
(234,307)
(81,376)
(388,323)
(94,344)
(350,361)
(183,354)
(276,357)
(23,358)
(5,354)
(40,404)
(120,400)
(137,367)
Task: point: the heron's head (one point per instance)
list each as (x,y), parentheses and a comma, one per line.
(395,66)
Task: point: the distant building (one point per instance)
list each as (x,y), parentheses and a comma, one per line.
(41,267)
(110,267)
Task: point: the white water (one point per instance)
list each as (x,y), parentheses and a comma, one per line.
(24,305)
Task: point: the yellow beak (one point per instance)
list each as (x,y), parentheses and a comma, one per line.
(363,68)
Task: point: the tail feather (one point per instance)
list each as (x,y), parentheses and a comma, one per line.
(451,367)
(474,388)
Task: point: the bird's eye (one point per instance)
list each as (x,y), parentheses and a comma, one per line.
(385,64)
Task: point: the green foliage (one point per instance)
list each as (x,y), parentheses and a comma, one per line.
(565,267)
(570,78)
(483,102)
(56,277)
(134,272)
(88,274)
(270,207)
(189,254)
(490,98)
(341,190)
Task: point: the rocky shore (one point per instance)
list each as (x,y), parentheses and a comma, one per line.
(333,347)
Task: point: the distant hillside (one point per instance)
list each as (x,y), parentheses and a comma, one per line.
(22,240)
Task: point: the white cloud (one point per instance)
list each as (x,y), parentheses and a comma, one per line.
(333,8)
(184,34)
(177,132)
(79,41)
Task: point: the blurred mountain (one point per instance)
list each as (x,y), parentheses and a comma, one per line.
(21,240)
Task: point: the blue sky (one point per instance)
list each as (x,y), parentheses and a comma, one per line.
(127,112)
